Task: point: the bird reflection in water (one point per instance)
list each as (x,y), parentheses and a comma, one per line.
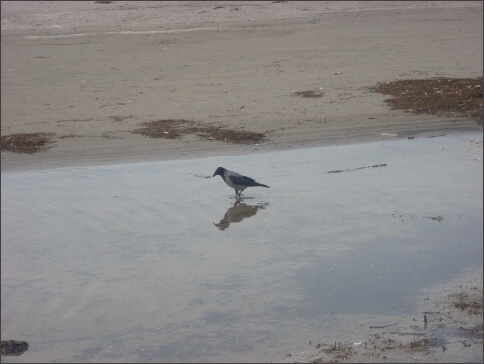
(238,212)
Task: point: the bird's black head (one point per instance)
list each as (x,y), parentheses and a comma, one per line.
(219,171)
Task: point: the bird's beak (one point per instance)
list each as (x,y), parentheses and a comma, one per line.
(214,174)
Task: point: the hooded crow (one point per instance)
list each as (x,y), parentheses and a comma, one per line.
(236,181)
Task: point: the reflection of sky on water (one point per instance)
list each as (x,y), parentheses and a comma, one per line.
(384,276)
(131,255)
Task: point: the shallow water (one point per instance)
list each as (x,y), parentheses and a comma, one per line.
(154,262)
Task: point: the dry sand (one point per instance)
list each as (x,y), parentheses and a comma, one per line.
(93,72)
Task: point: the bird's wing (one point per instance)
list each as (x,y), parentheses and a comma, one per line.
(242,180)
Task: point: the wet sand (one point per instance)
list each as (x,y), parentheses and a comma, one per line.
(92,73)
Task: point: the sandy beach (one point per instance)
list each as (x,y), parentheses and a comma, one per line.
(91,73)
(367,252)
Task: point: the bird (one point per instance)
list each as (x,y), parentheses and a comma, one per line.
(237,181)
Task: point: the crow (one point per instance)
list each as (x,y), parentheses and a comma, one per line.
(236,180)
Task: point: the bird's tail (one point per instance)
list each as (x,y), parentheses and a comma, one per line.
(261,185)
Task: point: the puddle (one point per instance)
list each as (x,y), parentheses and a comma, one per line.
(151,262)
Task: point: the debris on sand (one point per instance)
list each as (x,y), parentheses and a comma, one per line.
(311,94)
(440,96)
(176,128)
(27,142)
(354,169)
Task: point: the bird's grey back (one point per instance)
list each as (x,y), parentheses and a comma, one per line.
(238,179)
